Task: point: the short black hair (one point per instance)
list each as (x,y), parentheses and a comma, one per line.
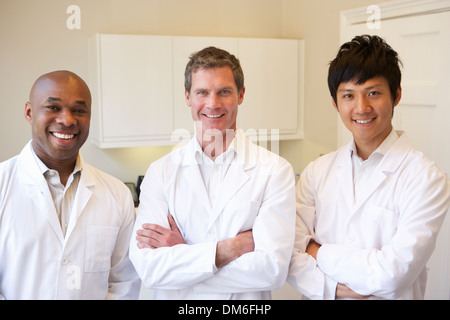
(364,58)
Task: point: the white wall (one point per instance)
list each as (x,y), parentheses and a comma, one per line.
(34,40)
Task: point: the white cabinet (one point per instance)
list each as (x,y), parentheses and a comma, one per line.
(273,70)
(137,82)
(131,83)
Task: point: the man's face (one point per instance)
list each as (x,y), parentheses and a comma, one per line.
(214,99)
(59,112)
(366,110)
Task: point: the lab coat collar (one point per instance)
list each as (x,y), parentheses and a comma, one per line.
(86,179)
(382,148)
(390,162)
(31,176)
(236,177)
(36,186)
(245,150)
(43,168)
(393,149)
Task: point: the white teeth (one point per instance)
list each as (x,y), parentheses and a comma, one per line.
(63,136)
(213,115)
(364,121)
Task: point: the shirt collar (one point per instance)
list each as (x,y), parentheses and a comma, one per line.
(382,148)
(43,168)
(236,150)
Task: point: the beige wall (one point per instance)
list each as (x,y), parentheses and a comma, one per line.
(34,40)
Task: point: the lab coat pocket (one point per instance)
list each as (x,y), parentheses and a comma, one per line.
(100,242)
(384,223)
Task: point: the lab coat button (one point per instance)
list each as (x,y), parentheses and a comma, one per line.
(350,239)
(64,261)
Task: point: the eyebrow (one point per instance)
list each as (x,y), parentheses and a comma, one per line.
(50,99)
(83,103)
(53,99)
(366,88)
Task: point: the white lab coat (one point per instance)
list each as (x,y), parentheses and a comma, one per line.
(379,245)
(37,262)
(258,193)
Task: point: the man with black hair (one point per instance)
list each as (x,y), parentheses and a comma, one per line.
(368,214)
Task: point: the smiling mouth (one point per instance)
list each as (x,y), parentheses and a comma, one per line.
(63,136)
(213,116)
(365,121)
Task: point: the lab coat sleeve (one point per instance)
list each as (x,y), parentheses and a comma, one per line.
(123,281)
(304,274)
(388,272)
(273,232)
(170,268)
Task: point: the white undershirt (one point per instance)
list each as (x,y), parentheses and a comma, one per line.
(363,169)
(214,171)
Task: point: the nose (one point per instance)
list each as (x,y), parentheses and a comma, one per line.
(66,118)
(213,101)
(362,105)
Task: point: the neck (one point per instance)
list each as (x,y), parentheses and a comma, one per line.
(364,152)
(64,167)
(365,148)
(215,142)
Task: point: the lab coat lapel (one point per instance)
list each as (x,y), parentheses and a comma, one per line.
(82,196)
(389,164)
(369,188)
(36,186)
(237,175)
(344,178)
(193,175)
(234,180)
(197,184)
(43,200)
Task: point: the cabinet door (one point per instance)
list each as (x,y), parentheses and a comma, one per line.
(135,89)
(271,69)
(138,82)
(183,47)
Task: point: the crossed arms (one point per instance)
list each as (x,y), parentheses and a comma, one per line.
(154,236)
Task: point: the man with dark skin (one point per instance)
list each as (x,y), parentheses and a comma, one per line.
(64,225)
(66,127)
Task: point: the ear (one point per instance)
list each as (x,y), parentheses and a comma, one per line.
(334,104)
(28,113)
(187,98)
(241,96)
(399,96)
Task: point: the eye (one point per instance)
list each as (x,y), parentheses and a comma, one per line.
(52,107)
(373,93)
(347,96)
(201,93)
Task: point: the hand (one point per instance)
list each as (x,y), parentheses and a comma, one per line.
(154,236)
(232,248)
(342,291)
(313,248)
